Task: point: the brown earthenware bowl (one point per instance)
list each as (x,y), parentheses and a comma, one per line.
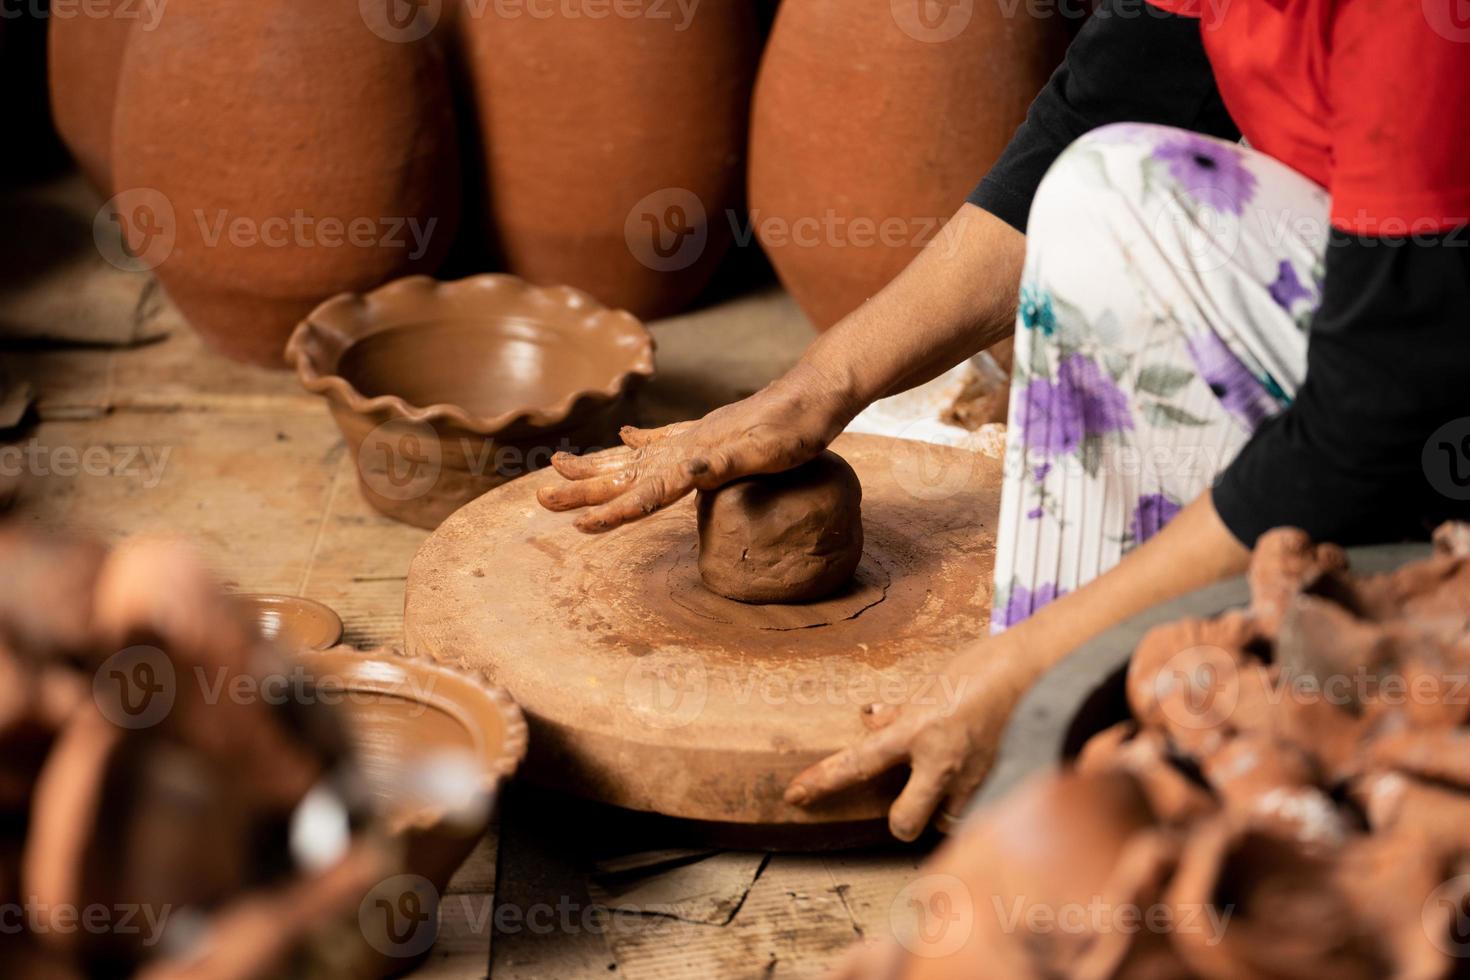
(435,743)
(447,389)
(293,622)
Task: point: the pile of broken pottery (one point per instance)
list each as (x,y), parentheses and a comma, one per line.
(1290,798)
(146,826)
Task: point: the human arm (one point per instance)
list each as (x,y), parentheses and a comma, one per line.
(956,298)
(950,747)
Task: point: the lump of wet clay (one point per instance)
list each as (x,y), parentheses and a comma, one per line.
(785,537)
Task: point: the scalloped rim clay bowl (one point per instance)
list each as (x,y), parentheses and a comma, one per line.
(444,390)
(406,714)
(294,622)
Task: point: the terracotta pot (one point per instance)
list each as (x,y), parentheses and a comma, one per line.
(612,146)
(446,390)
(310,156)
(437,743)
(872,121)
(85,55)
(291,621)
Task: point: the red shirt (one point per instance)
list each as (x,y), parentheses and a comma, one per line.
(1369,98)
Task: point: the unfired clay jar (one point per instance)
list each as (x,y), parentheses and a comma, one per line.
(872,121)
(322,159)
(1060,842)
(84,58)
(1186,678)
(1285,561)
(445,390)
(613,146)
(788,537)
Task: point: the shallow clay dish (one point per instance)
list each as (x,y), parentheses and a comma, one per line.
(447,389)
(293,622)
(435,743)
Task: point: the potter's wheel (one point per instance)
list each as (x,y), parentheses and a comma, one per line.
(644,691)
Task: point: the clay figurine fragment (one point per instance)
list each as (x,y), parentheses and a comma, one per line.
(786,537)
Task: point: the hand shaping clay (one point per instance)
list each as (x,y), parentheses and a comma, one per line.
(785,537)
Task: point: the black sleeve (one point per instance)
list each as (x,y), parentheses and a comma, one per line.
(1376,446)
(1131,62)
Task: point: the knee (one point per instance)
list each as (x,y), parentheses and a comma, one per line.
(1082,182)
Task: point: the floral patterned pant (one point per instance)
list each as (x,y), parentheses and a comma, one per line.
(1168,284)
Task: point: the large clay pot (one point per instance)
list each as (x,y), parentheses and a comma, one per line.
(292,151)
(84,57)
(872,121)
(612,146)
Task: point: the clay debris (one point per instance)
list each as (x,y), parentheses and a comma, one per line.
(1289,798)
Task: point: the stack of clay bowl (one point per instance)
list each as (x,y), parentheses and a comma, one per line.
(151,828)
(268,155)
(1291,797)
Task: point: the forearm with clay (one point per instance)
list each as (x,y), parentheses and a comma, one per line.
(957,298)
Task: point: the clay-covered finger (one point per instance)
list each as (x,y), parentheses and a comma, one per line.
(871,757)
(582,493)
(593,464)
(746,456)
(650,494)
(911,812)
(638,438)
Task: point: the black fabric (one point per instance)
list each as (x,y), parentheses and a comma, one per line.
(1388,364)
(1130,62)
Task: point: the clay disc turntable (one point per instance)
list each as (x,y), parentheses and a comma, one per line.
(645,691)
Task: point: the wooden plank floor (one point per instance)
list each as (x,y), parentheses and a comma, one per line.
(164,437)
